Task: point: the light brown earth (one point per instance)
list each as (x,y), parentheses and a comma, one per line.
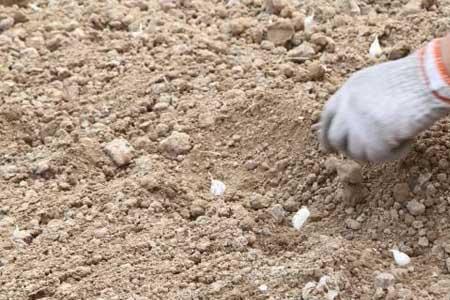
(116,115)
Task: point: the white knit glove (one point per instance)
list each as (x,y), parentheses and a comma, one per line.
(377,113)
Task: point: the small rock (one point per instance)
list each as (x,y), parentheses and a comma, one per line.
(399,51)
(415,208)
(257,34)
(206,120)
(291,205)
(298,20)
(239,26)
(280,32)
(316,71)
(331,164)
(427,4)
(412,7)
(267,45)
(82,271)
(131,203)
(6,23)
(20,17)
(278,213)
(302,53)
(196,211)
(8,171)
(384,280)
(287,70)
(120,151)
(43,168)
(161,106)
(423,241)
(251,164)
(349,172)
(353,224)
(101,232)
(349,7)
(55,42)
(150,183)
(401,192)
(162,129)
(176,144)
(275,6)
(258,201)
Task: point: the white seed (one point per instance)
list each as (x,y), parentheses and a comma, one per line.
(263,288)
(217,187)
(309,24)
(401,259)
(300,218)
(375,48)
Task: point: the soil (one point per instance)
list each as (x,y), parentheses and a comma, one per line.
(116,115)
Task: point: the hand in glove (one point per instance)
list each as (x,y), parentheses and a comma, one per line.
(377,113)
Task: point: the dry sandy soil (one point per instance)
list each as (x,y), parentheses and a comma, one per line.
(116,115)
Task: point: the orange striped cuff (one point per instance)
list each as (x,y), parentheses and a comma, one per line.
(434,70)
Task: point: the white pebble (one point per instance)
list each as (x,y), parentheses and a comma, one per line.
(401,259)
(300,218)
(217,188)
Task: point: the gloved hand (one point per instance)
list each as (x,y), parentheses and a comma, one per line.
(377,113)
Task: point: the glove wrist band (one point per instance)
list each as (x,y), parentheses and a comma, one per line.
(434,70)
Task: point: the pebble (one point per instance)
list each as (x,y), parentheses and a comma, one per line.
(415,208)
(43,168)
(280,32)
(331,164)
(267,45)
(303,52)
(8,171)
(6,23)
(101,232)
(399,51)
(120,151)
(196,211)
(275,6)
(239,25)
(291,205)
(423,241)
(131,202)
(384,280)
(353,224)
(176,144)
(251,164)
(206,120)
(401,192)
(162,129)
(316,71)
(349,172)
(278,213)
(55,42)
(161,106)
(258,201)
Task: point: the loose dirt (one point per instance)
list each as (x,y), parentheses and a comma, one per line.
(116,115)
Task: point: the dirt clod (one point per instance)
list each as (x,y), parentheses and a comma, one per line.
(120,151)
(415,208)
(177,143)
